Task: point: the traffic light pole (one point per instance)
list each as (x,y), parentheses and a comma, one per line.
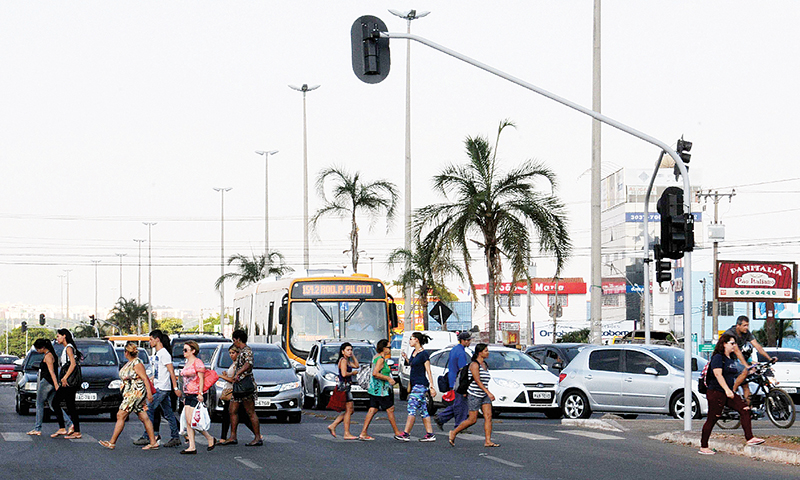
(647,251)
(687,262)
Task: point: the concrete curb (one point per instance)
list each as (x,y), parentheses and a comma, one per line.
(759,452)
(607,425)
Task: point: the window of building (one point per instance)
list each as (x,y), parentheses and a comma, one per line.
(563,300)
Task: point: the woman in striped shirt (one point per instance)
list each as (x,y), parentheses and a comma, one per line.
(478,397)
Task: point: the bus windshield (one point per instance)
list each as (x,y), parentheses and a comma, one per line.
(350,319)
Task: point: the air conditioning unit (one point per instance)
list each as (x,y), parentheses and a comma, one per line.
(663,321)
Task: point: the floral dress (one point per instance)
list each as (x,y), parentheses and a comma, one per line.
(134,393)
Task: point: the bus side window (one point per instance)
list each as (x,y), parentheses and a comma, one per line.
(393,314)
(271,328)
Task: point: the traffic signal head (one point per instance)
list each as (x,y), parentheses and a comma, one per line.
(683,148)
(663,267)
(41,319)
(370,51)
(91,320)
(23,327)
(677,227)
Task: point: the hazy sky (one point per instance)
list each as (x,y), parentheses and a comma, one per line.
(117,113)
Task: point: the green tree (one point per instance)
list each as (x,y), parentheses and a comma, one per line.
(127,314)
(169,325)
(251,270)
(578,336)
(425,269)
(85,330)
(350,196)
(16,339)
(787,331)
(502,210)
(211,324)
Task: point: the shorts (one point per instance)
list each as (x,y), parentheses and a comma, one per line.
(475,403)
(381,403)
(190,400)
(418,401)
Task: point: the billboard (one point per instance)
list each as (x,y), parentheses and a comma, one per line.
(756,281)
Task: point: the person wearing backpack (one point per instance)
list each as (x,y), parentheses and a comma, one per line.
(478,397)
(459,358)
(381,389)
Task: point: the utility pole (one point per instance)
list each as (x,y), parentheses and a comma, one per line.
(67,272)
(596,297)
(555,311)
(139,290)
(62,300)
(702,314)
(120,255)
(95,287)
(149,276)
(222,191)
(715,196)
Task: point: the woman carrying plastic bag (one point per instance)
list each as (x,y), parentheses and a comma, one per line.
(193,374)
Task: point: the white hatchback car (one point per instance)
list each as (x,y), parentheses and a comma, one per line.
(518,383)
(786,370)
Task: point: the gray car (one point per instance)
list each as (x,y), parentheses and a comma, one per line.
(277,382)
(321,374)
(628,379)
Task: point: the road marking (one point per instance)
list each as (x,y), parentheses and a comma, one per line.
(500,460)
(595,435)
(16,437)
(247,463)
(469,436)
(84,439)
(327,437)
(277,439)
(527,436)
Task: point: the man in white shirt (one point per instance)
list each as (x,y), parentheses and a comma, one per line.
(164,381)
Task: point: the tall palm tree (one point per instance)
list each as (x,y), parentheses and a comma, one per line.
(427,267)
(501,209)
(251,270)
(126,314)
(350,196)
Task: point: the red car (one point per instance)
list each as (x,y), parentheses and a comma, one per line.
(7,373)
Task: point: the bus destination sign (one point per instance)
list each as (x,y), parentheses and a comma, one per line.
(337,289)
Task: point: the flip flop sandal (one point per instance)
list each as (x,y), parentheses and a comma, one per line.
(74,436)
(35,432)
(712,452)
(366,438)
(107,445)
(758,441)
(152,446)
(58,434)
(492,445)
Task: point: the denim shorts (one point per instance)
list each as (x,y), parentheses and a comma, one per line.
(475,403)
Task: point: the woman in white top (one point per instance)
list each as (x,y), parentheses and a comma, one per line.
(478,397)
(70,358)
(227,392)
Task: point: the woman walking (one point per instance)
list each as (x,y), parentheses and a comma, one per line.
(70,361)
(721,381)
(193,374)
(420,383)
(478,397)
(348,366)
(47,384)
(136,395)
(381,390)
(227,395)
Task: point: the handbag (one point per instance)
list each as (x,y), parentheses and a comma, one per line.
(227,394)
(431,407)
(443,383)
(151,387)
(75,378)
(244,386)
(338,400)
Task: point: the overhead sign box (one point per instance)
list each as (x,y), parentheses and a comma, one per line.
(750,281)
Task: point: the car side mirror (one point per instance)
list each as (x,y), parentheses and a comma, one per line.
(17,368)
(299,368)
(557,366)
(651,371)
(310,363)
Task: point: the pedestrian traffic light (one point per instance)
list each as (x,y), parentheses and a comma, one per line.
(91,320)
(677,227)
(663,267)
(23,327)
(683,149)
(41,319)
(370,51)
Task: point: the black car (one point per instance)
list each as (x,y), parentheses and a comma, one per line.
(556,356)
(99,390)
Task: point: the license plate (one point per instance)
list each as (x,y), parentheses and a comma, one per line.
(263,402)
(6,375)
(85,397)
(789,389)
(356,388)
(541,395)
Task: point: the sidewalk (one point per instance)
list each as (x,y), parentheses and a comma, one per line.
(777,448)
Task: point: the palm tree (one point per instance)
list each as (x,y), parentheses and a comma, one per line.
(787,331)
(501,209)
(127,314)
(255,269)
(426,266)
(351,195)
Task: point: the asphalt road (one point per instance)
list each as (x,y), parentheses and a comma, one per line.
(531,447)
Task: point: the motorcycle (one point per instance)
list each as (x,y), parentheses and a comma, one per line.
(767,400)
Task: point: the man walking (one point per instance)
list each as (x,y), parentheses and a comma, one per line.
(458,358)
(164,381)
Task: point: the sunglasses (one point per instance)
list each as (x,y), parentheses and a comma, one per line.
(187,349)
(730,343)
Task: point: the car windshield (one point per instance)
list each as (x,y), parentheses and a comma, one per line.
(142,356)
(98,355)
(206,352)
(270,359)
(783,356)
(674,357)
(7,360)
(364,353)
(309,323)
(33,361)
(510,360)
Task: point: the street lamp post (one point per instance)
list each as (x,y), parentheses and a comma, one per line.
(149,275)
(139,290)
(62,301)
(120,255)
(67,272)
(305,89)
(95,286)
(408,16)
(266,154)
(222,191)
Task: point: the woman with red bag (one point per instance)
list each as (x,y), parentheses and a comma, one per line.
(193,374)
(135,390)
(348,367)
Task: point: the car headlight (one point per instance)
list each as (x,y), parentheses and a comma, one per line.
(502,382)
(331,377)
(30,386)
(115,384)
(289,386)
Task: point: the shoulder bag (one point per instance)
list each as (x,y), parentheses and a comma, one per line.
(244,386)
(75,378)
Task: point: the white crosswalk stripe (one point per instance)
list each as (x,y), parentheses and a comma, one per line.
(84,439)
(16,437)
(277,439)
(595,435)
(526,435)
(327,437)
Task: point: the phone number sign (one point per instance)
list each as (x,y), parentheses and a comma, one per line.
(756,281)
